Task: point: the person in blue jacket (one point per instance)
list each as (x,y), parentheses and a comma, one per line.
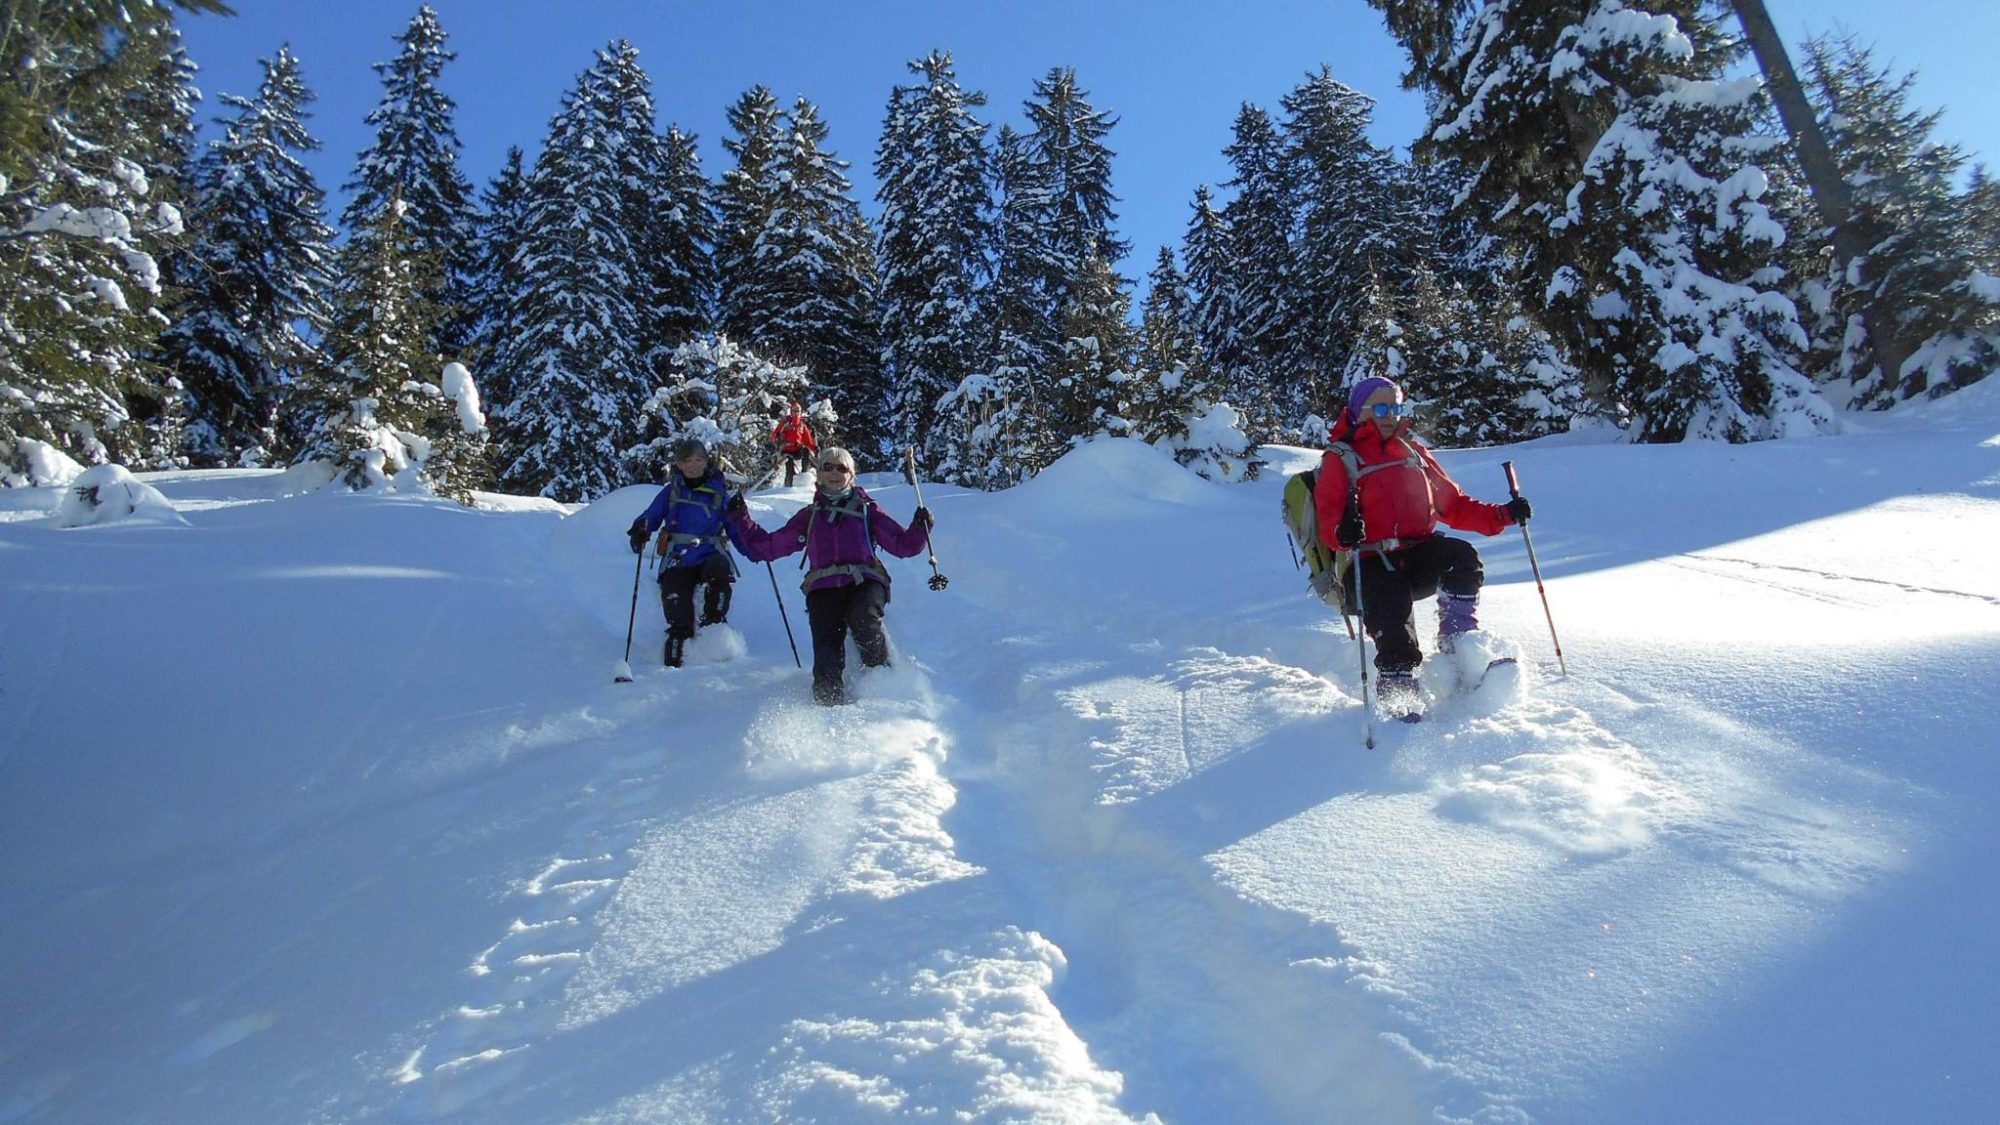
(688,517)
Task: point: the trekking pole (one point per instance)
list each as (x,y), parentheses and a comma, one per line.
(782,616)
(938,581)
(1514,490)
(623,673)
(1361,646)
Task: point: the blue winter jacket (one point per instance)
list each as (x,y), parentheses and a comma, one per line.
(691,514)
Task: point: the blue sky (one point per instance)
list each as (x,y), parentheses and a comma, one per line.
(1175,71)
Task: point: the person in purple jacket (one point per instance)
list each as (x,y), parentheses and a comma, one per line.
(846,586)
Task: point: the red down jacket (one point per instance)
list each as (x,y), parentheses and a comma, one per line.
(1405,494)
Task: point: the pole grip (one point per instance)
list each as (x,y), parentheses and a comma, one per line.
(1513,482)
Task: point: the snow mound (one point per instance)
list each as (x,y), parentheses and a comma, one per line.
(105,493)
(1110,471)
(604,520)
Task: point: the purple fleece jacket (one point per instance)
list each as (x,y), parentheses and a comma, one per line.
(837,538)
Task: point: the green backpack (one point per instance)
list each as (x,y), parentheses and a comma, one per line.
(1325,567)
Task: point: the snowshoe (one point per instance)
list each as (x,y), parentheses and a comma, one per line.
(1397,697)
(1502,674)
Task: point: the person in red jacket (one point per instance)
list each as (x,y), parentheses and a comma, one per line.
(1387,510)
(794,440)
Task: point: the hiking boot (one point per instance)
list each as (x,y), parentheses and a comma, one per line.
(1457,613)
(1396,692)
(675,647)
(829,693)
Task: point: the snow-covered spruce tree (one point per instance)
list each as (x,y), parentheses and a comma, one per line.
(1491,373)
(461,444)
(1621,169)
(726,395)
(255,280)
(1982,217)
(987,414)
(1208,250)
(1260,276)
(976,426)
(1094,379)
(414,158)
(166,430)
(1480,370)
(1069,188)
(575,369)
(814,304)
(1363,239)
(937,231)
(667,211)
(1056,225)
(743,205)
(379,417)
(1923,269)
(679,233)
(1172,400)
(1170,372)
(496,293)
(159,132)
(91,98)
(1813,278)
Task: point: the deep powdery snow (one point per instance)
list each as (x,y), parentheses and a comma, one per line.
(323,807)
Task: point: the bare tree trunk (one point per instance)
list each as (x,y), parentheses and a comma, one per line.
(1823,178)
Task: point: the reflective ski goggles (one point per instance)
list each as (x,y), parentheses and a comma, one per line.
(1390,409)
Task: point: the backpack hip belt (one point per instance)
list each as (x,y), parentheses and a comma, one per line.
(675,542)
(860,572)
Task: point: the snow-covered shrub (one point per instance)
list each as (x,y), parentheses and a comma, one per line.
(103,493)
(729,397)
(1213,444)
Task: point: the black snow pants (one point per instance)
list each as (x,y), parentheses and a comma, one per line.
(834,613)
(1392,583)
(795,459)
(677,585)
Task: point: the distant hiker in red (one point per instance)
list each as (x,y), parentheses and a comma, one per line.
(794,440)
(846,587)
(1387,510)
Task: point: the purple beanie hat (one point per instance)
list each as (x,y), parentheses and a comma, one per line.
(1363,390)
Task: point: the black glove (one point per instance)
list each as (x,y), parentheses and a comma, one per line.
(637,534)
(1349,534)
(923,519)
(1520,509)
(738,506)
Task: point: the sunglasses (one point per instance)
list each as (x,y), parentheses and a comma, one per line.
(835,468)
(1390,409)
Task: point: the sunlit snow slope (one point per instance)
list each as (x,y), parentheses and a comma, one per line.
(326,808)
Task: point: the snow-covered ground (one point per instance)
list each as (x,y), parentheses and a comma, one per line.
(325,808)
